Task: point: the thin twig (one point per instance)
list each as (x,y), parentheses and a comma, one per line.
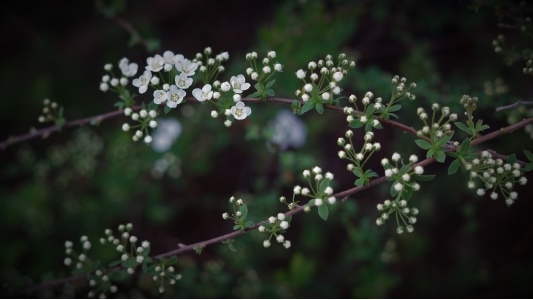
(514,105)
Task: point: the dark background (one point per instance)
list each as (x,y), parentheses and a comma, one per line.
(67,185)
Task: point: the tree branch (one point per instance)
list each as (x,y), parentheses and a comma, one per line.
(299,209)
(514,105)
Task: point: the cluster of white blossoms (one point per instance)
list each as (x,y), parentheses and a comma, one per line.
(49,111)
(99,282)
(357,117)
(403,185)
(111,81)
(145,120)
(127,245)
(165,273)
(438,127)
(359,158)
(262,72)
(276,226)
(320,193)
(493,176)
(401,89)
(324,78)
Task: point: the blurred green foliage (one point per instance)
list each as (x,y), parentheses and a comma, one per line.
(82,181)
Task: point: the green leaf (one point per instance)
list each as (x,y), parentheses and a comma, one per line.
(115,263)
(443,140)
(254,95)
(249,224)
(423,144)
(463,127)
(244,210)
(465,146)
(360,182)
(529,155)
(323,211)
(270,83)
(130,263)
(167,109)
(173,260)
(440,156)
(394,108)
(270,92)
(454,166)
(423,177)
(230,244)
(307,107)
(319,108)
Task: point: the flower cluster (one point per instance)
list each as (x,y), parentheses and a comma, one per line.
(321,192)
(262,73)
(145,120)
(495,177)
(112,82)
(131,253)
(403,185)
(438,127)
(239,215)
(435,135)
(50,111)
(324,78)
(164,271)
(100,284)
(209,67)
(78,260)
(227,97)
(375,108)
(358,159)
(276,226)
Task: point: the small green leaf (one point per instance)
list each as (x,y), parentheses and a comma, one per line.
(173,260)
(440,156)
(423,177)
(307,107)
(529,155)
(270,83)
(130,263)
(244,210)
(463,127)
(167,109)
(254,95)
(454,166)
(394,108)
(115,263)
(270,92)
(249,224)
(323,211)
(465,146)
(423,144)
(319,108)
(360,182)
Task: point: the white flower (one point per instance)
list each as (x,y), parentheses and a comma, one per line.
(239,83)
(281,217)
(287,244)
(171,59)
(419,170)
(284,224)
(278,67)
(187,67)
(318,202)
(240,111)
(261,228)
(300,74)
(288,131)
(127,69)
(266,243)
(203,94)
(166,133)
(337,76)
(160,96)
(182,81)
(175,96)
(142,82)
(271,54)
(155,64)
